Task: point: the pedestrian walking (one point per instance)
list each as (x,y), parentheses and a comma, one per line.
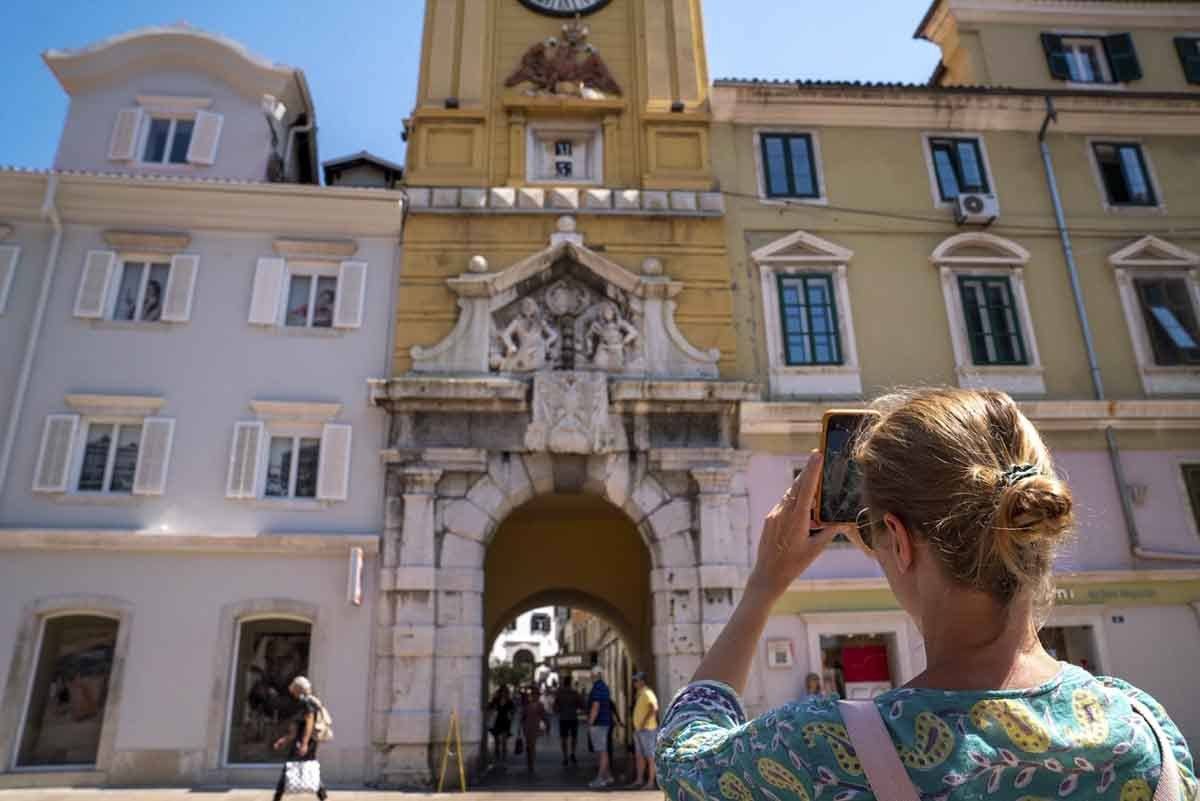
(313,725)
(964,512)
(501,708)
(599,723)
(567,702)
(645,732)
(533,717)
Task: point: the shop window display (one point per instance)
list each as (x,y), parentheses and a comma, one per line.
(858,666)
(1074,644)
(65,714)
(270,654)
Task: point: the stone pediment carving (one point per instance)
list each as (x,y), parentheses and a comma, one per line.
(571,415)
(566,308)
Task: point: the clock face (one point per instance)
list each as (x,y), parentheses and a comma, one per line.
(566,8)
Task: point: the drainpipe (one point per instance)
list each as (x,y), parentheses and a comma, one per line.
(1110,437)
(291,139)
(49,212)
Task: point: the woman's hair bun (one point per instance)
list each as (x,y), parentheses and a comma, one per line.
(1037,506)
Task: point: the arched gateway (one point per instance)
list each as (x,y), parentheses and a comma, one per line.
(564,384)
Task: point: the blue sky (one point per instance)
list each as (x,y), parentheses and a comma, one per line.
(361,60)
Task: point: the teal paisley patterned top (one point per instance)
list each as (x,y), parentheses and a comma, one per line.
(1074,738)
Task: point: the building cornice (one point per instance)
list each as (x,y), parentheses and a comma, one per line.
(35,539)
(1168,15)
(117,201)
(804,417)
(975,108)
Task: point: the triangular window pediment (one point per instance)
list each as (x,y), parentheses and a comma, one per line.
(800,247)
(1150,251)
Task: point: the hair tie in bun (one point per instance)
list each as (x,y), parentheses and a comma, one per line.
(1018,472)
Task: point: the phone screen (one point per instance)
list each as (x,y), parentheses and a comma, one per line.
(841,480)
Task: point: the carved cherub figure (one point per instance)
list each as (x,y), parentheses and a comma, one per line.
(608,336)
(527,340)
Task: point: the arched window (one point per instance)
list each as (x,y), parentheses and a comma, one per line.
(64,714)
(270,652)
(523,658)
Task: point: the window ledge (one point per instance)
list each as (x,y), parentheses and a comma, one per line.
(94,498)
(1136,211)
(291,504)
(156,326)
(1015,380)
(1098,86)
(304,332)
(816,381)
(791,201)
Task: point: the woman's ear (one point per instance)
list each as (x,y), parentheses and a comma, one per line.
(901,542)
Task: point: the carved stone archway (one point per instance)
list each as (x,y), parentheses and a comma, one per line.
(476,433)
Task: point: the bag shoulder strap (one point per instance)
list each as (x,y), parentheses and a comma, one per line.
(885,773)
(1169,788)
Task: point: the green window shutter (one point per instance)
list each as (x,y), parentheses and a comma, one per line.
(1056,57)
(1122,58)
(1189,55)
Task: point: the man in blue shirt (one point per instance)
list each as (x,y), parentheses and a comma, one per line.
(599,722)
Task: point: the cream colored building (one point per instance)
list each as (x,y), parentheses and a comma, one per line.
(893,235)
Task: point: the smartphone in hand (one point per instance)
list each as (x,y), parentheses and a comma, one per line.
(839,488)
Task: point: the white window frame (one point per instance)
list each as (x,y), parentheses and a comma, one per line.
(10,259)
(1160,206)
(1071,42)
(174,117)
(832,624)
(313,270)
(815,255)
(760,169)
(114,287)
(1151,257)
(292,419)
(590,136)
(294,432)
(78,451)
(1094,617)
(927,138)
(777,646)
(1026,380)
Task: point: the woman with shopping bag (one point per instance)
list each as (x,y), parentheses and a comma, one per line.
(302,772)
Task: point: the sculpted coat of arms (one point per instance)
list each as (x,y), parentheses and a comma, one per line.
(567,66)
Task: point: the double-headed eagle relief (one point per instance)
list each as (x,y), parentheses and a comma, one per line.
(566,66)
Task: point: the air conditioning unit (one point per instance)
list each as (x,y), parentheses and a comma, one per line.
(975,209)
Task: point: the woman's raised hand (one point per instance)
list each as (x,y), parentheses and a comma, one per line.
(788,544)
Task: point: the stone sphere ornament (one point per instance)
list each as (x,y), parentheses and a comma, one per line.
(566,224)
(652,266)
(478,264)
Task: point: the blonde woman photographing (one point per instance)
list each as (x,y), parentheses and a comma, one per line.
(964,514)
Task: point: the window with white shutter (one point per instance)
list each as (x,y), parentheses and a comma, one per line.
(244,460)
(9,254)
(181,286)
(205,137)
(54,458)
(291,455)
(92,297)
(268,287)
(333,481)
(351,294)
(123,144)
(154,455)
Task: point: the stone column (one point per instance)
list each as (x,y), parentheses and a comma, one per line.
(723,551)
(406,639)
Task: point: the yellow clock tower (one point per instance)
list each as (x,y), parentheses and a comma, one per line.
(564,392)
